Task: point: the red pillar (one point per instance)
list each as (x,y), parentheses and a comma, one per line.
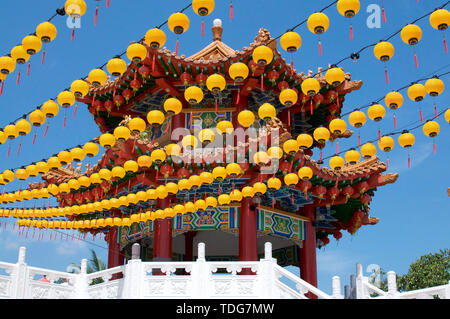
(162,243)
(115,256)
(308,264)
(248,250)
(189,245)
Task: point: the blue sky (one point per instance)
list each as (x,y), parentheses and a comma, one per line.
(413,212)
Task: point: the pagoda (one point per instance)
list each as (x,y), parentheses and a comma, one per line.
(296,219)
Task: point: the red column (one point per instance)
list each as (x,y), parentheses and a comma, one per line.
(308,264)
(189,245)
(248,250)
(162,243)
(115,256)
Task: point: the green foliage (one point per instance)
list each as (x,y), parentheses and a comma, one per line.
(428,271)
(95,265)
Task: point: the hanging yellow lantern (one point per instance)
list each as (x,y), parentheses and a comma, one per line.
(274,183)
(386,143)
(267,112)
(288,97)
(305,173)
(42,167)
(11,131)
(184,185)
(155,118)
(310,86)
(173,150)
(136,52)
(84,181)
(394,100)
(216,83)
(262,55)
(261,158)
(357,119)
(318,23)
(189,142)
(406,139)
(173,106)
(118,172)
(7,65)
(321,134)
(91,149)
(144,161)
(21,174)
(77,154)
(352,157)
(172,188)
(417,92)
(53,163)
(275,152)
(107,140)
(304,141)
(32,44)
(431,129)
(376,112)
(291,179)
(195,181)
(95,179)
(64,188)
(291,147)
(348,8)
(335,76)
(259,188)
(19,54)
(64,157)
(233,170)
(97,77)
(158,156)
(206,178)
(46,32)
(206,136)
(434,86)
(338,126)
(73,184)
(161,191)
(336,162)
(238,71)
(66,99)
(137,125)
(211,202)
(236,196)
(440,19)
(200,205)
(203,7)
(122,133)
(291,41)
(384,51)
(131,166)
(193,95)
(246,118)
(219,173)
(37,118)
(189,207)
(79,88)
(155,38)
(75,8)
(105,174)
(23,127)
(116,66)
(178,23)
(447,115)
(411,34)
(50,109)
(225,127)
(368,150)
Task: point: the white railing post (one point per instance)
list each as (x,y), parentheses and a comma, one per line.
(336,284)
(392,284)
(200,274)
(266,274)
(19,276)
(133,275)
(81,282)
(359,283)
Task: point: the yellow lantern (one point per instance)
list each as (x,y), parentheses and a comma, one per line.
(348,8)
(200,205)
(42,167)
(190,207)
(46,32)
(161,191)
(248,192)
(384,51)
(79,88)
(357,119)
(136,52)
(440,19)
(291,179)
(155,118)
(19,55)
(417,92)
(219,173)
(173,106)
(211,202)
(267,112)
(233,170)
(206,177)
(131,166)
(216,83)
(259,188)
(274,183)
(66,99)
(84,181)
(394,100)
(406,139)
(7,65)
(352,157)
(447,115)
(23,127)
(203,7)
(238,71)
(224,199)
(107,140)
(95,179)
(32,44)
(304,141)
(291,41)
(118,172)
(336,162)
(206,136)
(178,23)
(91,149)
(310,86)
(434,86)
(173,150)
(305,173)
(411,34)
(116,66)
(50,109)
(386,143)
(431,128)
(368,150)
(172,188)
(64,188)
(261,158)
(97,77)
(291,147)
(236,196)
(53,163)
(77,154)
(376,112)
(21,174)
(37,118)
(137,125)
(64,157)
(338,126)
(321,134)
(144,161)
(189,142)
(75,8)
(193,95)
(335,76)
(105,174)
(246,118)
(318,23)
(262,55)
(158,156)
(225,127)
(195,182)
(275,152)
(11,131)
(73,184)
(155,38)
(184,185)
(288,97)
(122,133)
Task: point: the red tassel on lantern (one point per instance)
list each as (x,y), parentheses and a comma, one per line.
(395,122)
(445,45)
(384,14)
(18,151)
(415,60)
(409,161)
(64,124)
(107,4)
(351,32)
(1,88)
(434,148)
(34,138)
(153,63)
(421,116)
(289,118)
(43,56)
(203,28)
(28,69)
(73,33)
(386,74)
(231,10)
(320,48)
(18,78)
(262,82)
(75,111)
(176,47)
(96,15)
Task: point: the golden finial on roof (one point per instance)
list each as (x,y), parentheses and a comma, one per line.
(217,30)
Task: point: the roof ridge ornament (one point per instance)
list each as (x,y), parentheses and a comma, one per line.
(217,30)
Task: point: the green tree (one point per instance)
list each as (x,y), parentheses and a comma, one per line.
(95,264)
(428,271)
